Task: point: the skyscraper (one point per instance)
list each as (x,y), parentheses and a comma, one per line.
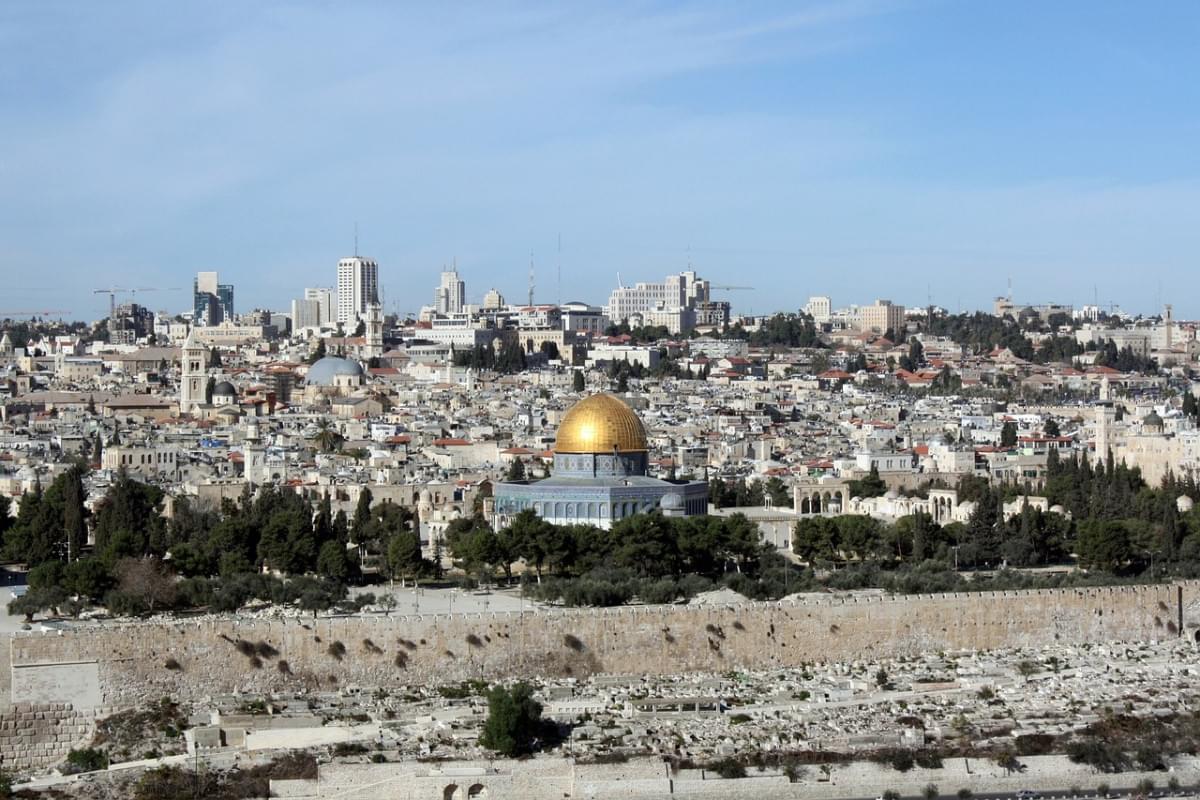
(357,288)
(450,297)
(212,302)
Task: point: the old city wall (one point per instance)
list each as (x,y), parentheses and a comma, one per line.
(37,735)
(127,664)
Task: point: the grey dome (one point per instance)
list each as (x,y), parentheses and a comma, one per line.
(1152,420)
(224,389)
(327,369)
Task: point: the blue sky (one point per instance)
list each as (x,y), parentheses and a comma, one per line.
(861,149)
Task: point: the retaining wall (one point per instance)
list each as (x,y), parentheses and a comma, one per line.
(128,664)
(33,736)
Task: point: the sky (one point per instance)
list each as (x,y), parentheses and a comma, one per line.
(914,150)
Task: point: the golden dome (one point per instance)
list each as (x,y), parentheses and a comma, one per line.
(600,424)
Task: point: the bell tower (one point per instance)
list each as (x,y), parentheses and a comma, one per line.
(193,373)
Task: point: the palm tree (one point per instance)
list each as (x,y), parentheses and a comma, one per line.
(327,438)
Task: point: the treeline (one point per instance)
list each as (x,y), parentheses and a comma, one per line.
(1125,526)
(741,493)
(1028,539)
(508,359)
(790,330)
(143,562)
(651,556)
(1112,523)
(980,332)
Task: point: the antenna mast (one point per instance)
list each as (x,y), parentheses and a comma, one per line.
(356,240)
(558,289)
(531,278)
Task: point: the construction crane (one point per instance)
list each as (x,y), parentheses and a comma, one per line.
(113,291)
(46,313)
(721,288)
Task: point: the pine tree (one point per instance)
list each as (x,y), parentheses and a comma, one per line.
(362,517)
(74,514)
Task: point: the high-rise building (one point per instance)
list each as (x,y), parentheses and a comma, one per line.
(493,300)
(324,298)
(357,288)
(450,297)
(212,301)
(882,317)
(313,310)
(671,300)
(820,308)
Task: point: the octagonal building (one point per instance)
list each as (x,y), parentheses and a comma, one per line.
(599,474)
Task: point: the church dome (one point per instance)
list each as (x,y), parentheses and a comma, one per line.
(600,424)
(1152,420)
(224,389)
(327,369)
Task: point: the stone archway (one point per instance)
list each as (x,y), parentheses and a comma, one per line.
(452,792)
(477,790)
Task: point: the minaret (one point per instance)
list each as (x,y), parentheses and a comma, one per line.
(1104,417)
(193,373)
(254,463)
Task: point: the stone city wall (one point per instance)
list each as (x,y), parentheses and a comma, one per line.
(128,664)
(651,779)
(37,735)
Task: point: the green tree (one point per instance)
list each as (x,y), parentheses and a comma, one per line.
(74,513)
(362,517)
(869,486)
(334,563)
(1103,545)
(577,381)
(404,555)
(777,490)
(514,722)
(1050,428)
(128,521)
(516,470)
(1008,434)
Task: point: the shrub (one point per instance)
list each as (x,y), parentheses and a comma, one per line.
(514,723)
(86,760)
(573,642)
(337,650)
(728,768)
